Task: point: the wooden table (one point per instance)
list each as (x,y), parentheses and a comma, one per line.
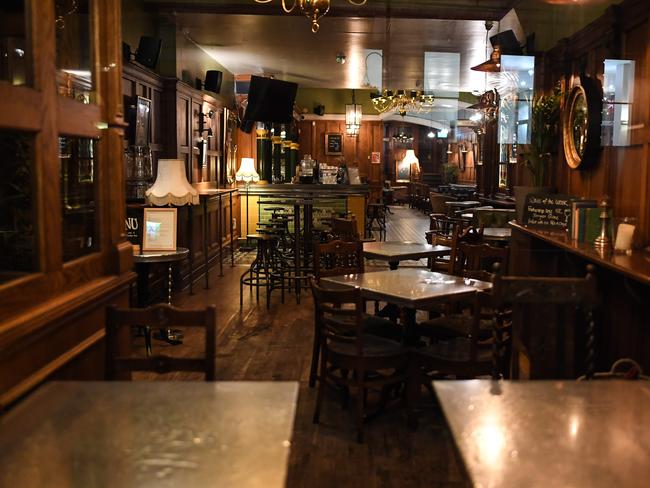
(394,252)
(143,260)
(411,289)
(163,434)
(550,433)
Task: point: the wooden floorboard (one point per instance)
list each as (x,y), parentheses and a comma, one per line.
(256,344)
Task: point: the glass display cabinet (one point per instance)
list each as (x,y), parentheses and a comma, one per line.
(63,254)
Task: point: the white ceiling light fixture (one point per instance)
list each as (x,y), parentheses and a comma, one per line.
(312,9)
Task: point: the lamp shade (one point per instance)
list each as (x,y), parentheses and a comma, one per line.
(410,158)
(246,171)
(171,185)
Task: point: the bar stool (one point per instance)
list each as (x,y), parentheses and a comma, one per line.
(375,213)
(259,273)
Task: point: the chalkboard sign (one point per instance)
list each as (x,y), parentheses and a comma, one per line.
(333,144)
(545,211)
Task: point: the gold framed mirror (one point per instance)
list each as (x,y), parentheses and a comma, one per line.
(581,124)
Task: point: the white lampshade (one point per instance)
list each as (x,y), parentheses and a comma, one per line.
(171,185)
(410,158)
(246,171)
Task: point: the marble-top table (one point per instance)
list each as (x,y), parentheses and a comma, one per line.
(394,252)
(162,434)
(411,289)
(550,433)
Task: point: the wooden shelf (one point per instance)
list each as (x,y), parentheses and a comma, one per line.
(635,265)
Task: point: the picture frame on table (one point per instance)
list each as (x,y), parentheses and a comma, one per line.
(159,229)
(334,144)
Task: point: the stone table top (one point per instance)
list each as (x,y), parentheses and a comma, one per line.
(550,433)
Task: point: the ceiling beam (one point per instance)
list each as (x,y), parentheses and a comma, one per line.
(443,9)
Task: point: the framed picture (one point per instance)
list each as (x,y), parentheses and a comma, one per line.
(159,233)
(376,157)
(142,121)
(402,172)
(333,144)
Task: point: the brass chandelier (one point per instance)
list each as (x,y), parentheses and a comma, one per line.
(312,9)
(402,101)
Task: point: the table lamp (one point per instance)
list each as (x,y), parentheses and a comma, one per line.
(411,159)
(171,186)
(248,175)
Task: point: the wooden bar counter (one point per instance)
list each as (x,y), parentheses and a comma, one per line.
(327,198)
(622,319)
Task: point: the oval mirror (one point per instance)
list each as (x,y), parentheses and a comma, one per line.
(581,128)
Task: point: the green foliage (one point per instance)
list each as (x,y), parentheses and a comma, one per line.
(450,173)
(545,123)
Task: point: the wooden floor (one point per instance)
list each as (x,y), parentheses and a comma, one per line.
(256,344)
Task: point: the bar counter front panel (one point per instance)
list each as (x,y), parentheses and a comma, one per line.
(326,199)
(622,317)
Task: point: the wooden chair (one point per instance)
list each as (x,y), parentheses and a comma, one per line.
(159,316)
(472,261)
(449,232)
(347,348)
(476,260)
(336,258)
(551,303)
(344,229)
(437,202)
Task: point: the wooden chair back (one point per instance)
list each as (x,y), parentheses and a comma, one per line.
(345,229)
(438,200)
(337,258)
(161,316)
(476,260)
(544,317)
(339,316)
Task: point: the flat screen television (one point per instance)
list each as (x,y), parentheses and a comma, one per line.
(269,100)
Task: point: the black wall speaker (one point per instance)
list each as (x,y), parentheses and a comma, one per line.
(319,109)
(148,51)
(213,80)
(507,41)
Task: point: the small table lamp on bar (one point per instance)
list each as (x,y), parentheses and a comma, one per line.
(248,175)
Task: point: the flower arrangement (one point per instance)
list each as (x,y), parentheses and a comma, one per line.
(545,122)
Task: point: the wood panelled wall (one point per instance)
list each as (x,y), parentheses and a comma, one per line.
(175,112)
(621,173)
(463,154)
(356,150)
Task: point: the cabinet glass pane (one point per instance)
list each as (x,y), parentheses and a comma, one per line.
(78,159)
(14,59)
(18,251)
(74,56)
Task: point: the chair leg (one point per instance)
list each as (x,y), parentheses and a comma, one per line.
(315,353)
(360,407)
(321,388)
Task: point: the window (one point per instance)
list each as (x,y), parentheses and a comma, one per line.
(14,52)
(18,249)
(78,159)
(618,93)
(74,57)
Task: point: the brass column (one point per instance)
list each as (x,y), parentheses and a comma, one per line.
(264,152)
(277,158)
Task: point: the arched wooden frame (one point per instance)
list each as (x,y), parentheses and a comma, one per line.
(591,91)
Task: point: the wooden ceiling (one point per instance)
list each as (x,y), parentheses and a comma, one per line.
(417,9)
(247,37)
